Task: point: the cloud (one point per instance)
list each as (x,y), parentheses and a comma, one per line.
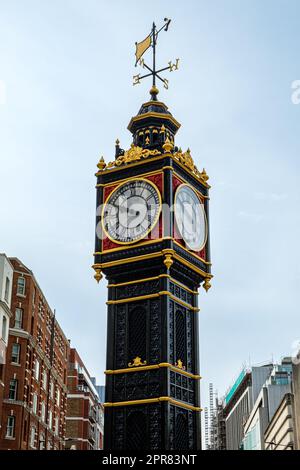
(252,217)
(272,197)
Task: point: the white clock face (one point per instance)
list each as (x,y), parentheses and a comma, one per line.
(131,211)
(190,218)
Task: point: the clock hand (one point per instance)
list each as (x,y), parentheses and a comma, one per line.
(128,210)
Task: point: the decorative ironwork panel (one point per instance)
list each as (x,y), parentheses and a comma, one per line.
(134,290)
(143,428)
(136,385)
(154,412)
(120,335)
(180,335)
(136,430)
(155,332)
(191,426)
(189,341)
(181,433)
(137,334)
(119,428)
(182,388)
(181,293)
(171,332)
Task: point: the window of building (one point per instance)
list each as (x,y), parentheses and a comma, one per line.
(43,411)
(7,288)
(50,419)
(10,428)
(15,353)
(42,441)
(33,296)
(56,425)
(51,390)
(34,403)
(13,389)
(18,318)
(44,379)
(32,441)
(36,370)
(58,397)
(32,325)
(4,328)
(21,284)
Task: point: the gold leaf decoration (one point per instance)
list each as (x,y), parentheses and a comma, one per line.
(179,364)
(134,154)
(185,158)
(137,362)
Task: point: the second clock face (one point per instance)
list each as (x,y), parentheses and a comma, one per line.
(131,211)
(190,218)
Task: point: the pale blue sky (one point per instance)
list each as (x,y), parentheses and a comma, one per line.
(67,66)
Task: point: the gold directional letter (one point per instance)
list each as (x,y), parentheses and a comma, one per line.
(174,66)
(166,84)
(136,79)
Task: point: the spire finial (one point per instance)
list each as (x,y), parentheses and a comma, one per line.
(154,92)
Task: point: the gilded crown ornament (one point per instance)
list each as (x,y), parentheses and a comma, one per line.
(185,158)
(179,364)
(137,362)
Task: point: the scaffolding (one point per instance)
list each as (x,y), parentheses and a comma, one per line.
(215,430)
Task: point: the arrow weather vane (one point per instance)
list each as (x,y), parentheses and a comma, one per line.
(141,48)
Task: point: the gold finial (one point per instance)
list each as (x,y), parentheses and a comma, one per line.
(207,284)
(162,129)
(147,141)
(101,164)
(168,261)
(98,276)
(137,362)
(168,145)
(117,142)
(154,92)
(204,175)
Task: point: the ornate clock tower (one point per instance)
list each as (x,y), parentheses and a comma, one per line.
(152,245)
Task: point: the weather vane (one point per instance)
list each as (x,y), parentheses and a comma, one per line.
(141,48)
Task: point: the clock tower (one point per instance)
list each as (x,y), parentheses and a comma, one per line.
(152,245)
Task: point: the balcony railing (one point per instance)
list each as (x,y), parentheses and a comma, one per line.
(93,416)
